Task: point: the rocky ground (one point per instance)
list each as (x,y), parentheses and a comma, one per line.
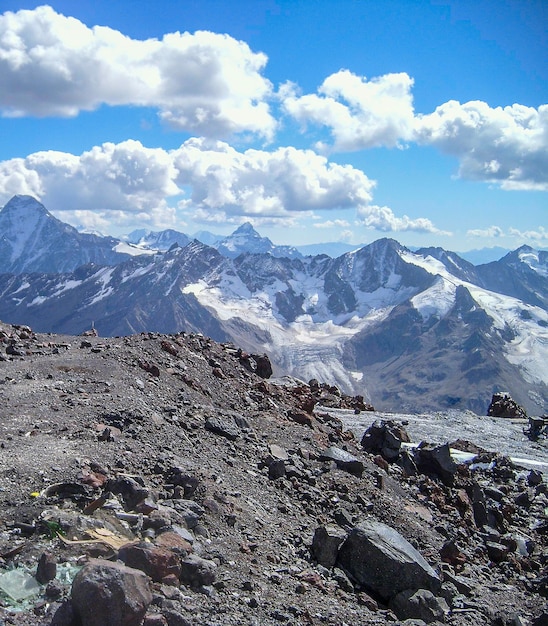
(166,480)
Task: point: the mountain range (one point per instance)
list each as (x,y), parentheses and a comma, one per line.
(414,330)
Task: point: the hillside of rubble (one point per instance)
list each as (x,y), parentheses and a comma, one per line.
(169,480)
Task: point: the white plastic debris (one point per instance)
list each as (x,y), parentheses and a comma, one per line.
(18,584)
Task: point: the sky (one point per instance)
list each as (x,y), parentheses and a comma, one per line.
(315,120)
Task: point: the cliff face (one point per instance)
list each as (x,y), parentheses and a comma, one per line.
(240,498)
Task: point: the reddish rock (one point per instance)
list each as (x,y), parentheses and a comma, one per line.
(158,562)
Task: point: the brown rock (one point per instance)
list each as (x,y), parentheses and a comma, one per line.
(158,562)
(110,593)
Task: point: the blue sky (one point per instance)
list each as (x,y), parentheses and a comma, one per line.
(315,120)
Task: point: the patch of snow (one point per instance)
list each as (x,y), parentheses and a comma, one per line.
(35,301)
(532,260)
(140,271)
(497,434)
(436,300)
(131,249)
(103,278)
(69,284)
(22,287)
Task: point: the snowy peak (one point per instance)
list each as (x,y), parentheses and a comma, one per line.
(454,264)
(20,219)
(245,239)
(247,230)
(522,274)
(535,260)
(33,240)
(157,240)
(24,206)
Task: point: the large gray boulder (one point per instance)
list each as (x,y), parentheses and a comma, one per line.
(110,593)
(377,557)
(421,604)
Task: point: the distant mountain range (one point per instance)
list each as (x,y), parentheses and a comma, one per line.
(409,330)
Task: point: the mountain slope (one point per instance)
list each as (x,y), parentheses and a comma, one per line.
(33,240)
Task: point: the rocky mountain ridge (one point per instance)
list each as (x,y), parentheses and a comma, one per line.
(408,330)
(174,472)
(389,324)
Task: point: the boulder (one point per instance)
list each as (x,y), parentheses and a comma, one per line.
(502,405)
(326,543)
(264,366)
(377,557)
(343,459)
(432,459)
(197,572)
(110,593)
(385,437)
(421,604)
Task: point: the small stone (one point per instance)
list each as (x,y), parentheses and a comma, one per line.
(421,604)
(222,427)
(276,469)
(47,568)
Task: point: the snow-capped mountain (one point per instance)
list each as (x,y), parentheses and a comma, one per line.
(247,239)
(157,240)
(408,330)
(244,239)
(522,274)
(33,240)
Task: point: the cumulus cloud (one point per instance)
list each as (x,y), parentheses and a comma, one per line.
(269,184)
(208,180)
(203,82)
(503,145)
(382,218)
(507,146)
(359,113)
(112,183)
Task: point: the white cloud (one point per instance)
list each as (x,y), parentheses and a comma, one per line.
(273,184)
(491,231)
(202,82)
(332,224)
(359,113)
(507,146)
(382,218)
(503,145)
(538,237)
(112,183)
(208,180)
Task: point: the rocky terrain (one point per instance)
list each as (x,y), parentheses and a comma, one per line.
(169,480)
